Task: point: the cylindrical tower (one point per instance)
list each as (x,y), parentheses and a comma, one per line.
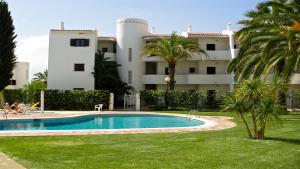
(130,44)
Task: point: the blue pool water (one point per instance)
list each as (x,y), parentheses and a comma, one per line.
(99,122)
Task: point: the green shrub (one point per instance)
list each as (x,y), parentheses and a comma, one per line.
(13,95)
(75,99)
(2,102)
(60,100)
(31,91)
(179,100)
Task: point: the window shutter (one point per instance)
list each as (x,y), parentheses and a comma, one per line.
(87,42)
(73,42)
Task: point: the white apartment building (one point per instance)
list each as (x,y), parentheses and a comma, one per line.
(71,58)
(20,77)
(72,52)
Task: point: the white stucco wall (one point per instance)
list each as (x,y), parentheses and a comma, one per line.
(106,44)
(129,35)
(222,43)
(21,75)
(62,57)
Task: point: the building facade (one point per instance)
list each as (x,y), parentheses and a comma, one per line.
(72,52)
(20,77)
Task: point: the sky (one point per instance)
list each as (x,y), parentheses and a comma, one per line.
(34,18)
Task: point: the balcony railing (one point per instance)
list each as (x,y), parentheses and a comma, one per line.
(191,79)
(211,55)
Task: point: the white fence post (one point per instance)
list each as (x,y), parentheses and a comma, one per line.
(124,101)
(111,101)
(137,102)
(42,101)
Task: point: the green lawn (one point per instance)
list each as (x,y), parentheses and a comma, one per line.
(226,149)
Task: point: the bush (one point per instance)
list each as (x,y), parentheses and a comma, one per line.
(31,90)
(61,100)
(75,99)
(13,95)
(180,100)
(2,102)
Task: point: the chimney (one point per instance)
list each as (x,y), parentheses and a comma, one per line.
(229,27)
(153,30)
(189,30)
(62,26)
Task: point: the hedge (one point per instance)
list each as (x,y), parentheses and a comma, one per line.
(13,95)
(63,100)
(175,100)
(75,99)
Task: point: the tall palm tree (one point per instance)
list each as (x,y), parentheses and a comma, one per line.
(269,41)
(172,50)
(41,76)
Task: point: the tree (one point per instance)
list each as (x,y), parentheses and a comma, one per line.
(30,90)
(172,50)
(269,41)
(7,45)
(41,76)
(107,77)
(257,99)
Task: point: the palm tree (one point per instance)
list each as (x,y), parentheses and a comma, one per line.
(233,103)
(41,76)
(172,50)
(256,99)
(269,41)
(252,91)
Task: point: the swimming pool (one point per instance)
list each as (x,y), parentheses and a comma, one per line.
(101,121)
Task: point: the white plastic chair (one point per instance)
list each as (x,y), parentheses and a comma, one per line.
(98,107)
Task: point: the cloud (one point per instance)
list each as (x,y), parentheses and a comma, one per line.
(34,50)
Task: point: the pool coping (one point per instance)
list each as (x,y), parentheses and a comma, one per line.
(211,123)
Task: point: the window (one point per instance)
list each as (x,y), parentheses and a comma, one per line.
(129,77)
(151,68)
(166,71)
(150,87)
(104,50)
(211,70)
(192,70)
(13,82)
(210,46)
(235,46)
(79,67)
(129,54)
(78,88)
(79,42)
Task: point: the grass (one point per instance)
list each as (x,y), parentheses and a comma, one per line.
(226,149)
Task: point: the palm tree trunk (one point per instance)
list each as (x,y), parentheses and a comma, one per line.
(246,124)
(254,120)
(261,131)
(279,71)
(172,74)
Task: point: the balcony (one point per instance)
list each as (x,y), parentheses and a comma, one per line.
(212,55)
(190,79)
(218,55)
(111,56)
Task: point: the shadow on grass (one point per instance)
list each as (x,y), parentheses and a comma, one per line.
(286,140)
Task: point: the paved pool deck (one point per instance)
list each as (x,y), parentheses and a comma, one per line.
(211,123)
(8,163)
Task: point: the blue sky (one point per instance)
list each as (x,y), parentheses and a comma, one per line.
(34,18)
